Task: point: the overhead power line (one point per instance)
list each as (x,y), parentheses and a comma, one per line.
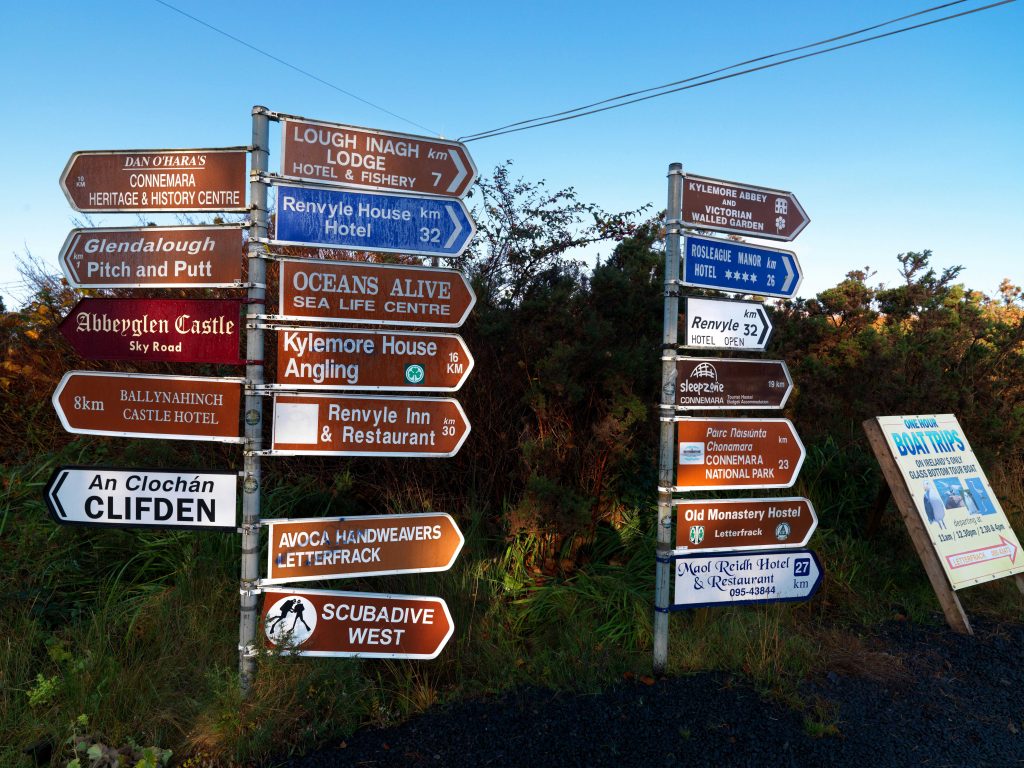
(594,108)
(301,71)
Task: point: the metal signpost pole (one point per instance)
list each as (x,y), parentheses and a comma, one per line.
(666,453)
(253,411)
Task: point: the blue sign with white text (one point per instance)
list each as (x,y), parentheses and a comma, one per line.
(726,265)
(372,221)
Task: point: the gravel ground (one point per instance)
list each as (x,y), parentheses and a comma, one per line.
(911,696)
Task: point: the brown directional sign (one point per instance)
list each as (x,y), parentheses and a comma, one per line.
(736,453)
(315,622)
(395,361)
(720,384)
(373,545)
(155,330)
(143,405)
(359,157)
(172,180)
(374,294)
(731,524)
(153,257)
(347,425)
(742,209)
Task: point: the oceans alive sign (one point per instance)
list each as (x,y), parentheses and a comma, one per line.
(961,513)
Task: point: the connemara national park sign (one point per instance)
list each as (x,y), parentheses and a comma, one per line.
(737,453)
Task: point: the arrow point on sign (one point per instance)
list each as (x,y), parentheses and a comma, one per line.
(1013,549)
(458,227)
(767,326)
(454,155)
(789,273)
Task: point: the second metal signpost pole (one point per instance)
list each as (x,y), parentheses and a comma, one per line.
(666,452)
(253,411)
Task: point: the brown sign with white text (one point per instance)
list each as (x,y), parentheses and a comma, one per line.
(742,209)
(171,180)
(350,425)
(146,405)
(314,622)
(737,453)
(370,545)
(730,524)
(377,294)
(718,383)
(153,257)
(360,157)
(325,358)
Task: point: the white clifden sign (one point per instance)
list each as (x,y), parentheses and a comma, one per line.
(966,524)
(132,498)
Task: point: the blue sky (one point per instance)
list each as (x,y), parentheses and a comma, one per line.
(906,143)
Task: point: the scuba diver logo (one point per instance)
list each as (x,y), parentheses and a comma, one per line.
(290,621)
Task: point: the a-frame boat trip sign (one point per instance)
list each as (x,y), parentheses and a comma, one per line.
(727,265)
(742,209)
(367,425)
(354,358)
(373,294)
(730,384)
(313,622)
(744,578)
(317,548)
(384,222)
(712,525)
(157,180)
(154,257)
(716,454)
(143,498)
(350,156)
(725,324)
(149,405)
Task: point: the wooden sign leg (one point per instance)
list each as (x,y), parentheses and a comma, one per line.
(951,607)
(1019,580)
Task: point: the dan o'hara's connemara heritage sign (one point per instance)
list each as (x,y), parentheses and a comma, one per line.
(168,180)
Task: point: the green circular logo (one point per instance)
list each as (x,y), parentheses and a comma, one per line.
(414,374)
